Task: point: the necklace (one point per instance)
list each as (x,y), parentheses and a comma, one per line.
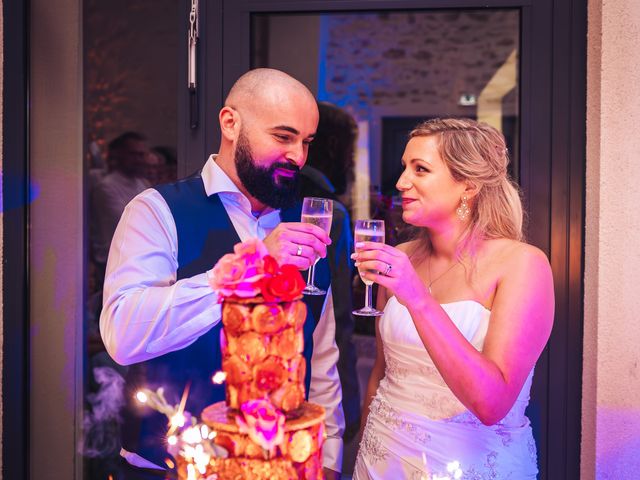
(431,282)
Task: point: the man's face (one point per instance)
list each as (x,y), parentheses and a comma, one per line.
(277,184)
(272,143)
(132,160)
(153,168)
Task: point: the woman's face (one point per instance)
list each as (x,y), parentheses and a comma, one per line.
(430,194)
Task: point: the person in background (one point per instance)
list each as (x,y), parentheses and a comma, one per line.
(169,172)
(153,168)
(161,166)
(160,315)
(331,161)
(126,160)
(328,173)
(468,309)
(110,189)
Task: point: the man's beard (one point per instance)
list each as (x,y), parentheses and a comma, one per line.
(276,191)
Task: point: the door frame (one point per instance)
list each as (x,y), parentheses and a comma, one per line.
(15,218)
(553,128)
(552,169)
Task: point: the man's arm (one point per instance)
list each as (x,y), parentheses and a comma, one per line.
(146,313)
(325,389)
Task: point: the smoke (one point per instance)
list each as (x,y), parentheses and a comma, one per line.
(101,422)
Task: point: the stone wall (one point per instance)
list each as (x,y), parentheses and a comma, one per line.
(421,58)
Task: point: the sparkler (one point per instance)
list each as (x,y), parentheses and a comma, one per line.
(186,437)
(219,377)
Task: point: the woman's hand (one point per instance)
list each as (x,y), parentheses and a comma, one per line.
(394,270)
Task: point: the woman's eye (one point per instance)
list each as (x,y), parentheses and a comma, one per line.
(282,138)
(420,168)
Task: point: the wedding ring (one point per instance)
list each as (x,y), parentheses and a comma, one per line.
(299,251)
(388,270)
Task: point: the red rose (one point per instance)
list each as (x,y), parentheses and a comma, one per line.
(286,285)
(270,265)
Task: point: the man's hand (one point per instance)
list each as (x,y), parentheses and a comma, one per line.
(331,474)
(298,244)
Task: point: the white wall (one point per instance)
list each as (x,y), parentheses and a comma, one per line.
(56,248)
(611,377)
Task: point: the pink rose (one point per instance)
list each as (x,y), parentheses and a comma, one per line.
(252,248)
(238,274)
(263,422)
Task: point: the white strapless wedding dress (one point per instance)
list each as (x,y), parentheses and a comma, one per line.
(417,429)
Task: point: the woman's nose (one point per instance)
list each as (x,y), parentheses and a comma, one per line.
(403,182)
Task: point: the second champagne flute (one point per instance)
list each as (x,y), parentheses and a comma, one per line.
(318,211)
(368,231)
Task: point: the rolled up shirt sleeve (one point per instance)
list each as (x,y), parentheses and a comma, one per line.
(146,312)
(325,389)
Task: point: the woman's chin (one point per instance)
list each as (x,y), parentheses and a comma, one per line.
(407,217)
(412,219)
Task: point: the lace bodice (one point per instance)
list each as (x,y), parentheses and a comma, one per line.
(417,428)
(411,378)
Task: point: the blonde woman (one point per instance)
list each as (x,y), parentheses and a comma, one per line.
(468,310)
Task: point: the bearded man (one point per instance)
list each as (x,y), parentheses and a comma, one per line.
(161,317)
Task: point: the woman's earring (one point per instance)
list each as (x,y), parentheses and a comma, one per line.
(463,209)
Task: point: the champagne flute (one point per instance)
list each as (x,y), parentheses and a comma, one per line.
(368,231)
(318,211)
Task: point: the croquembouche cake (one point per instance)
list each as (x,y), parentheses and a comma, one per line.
(264,429)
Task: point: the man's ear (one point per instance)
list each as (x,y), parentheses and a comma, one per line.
(229,123)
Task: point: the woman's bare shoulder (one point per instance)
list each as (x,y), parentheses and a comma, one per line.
(513,253)
(515,271)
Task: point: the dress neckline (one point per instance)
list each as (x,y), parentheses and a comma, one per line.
(455,302)
(466,301)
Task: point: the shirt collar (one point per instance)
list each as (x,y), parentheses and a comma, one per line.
(216,181)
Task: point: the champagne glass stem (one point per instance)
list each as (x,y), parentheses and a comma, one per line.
(310,274)
(368,297)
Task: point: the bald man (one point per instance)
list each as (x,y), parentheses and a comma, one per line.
(161,317)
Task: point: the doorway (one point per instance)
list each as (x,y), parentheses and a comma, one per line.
(536,96)
(551,133)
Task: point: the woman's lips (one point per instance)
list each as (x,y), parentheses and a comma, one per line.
(407,201)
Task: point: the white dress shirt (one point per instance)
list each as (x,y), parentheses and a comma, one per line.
(147,313)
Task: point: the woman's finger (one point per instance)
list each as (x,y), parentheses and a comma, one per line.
(377,246)
(379,266)
(371,255)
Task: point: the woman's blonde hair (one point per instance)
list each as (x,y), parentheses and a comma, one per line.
(477,153)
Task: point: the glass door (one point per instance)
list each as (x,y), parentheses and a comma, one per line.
(390,70)
(134,75)
(389,64)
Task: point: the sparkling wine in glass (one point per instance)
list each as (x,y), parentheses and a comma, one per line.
(318,211)
(368,231)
